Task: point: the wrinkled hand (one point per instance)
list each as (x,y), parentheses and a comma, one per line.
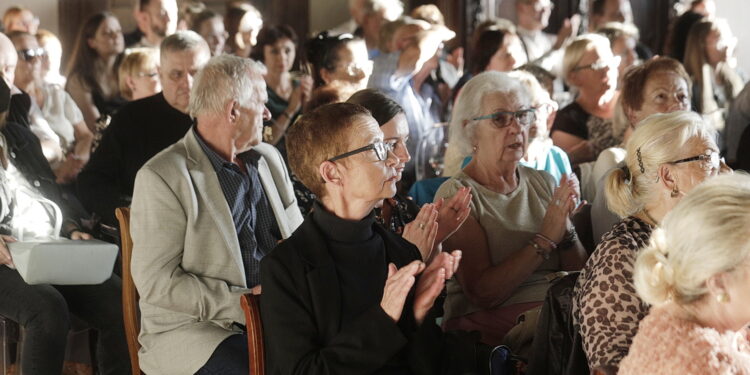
(452,214)
(5,257)
(423,230)
(431,282)
(397,287)
(78,235)
(563,203)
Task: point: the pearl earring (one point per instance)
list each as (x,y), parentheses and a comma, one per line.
(722,298)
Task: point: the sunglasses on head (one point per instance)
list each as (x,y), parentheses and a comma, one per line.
(31,53)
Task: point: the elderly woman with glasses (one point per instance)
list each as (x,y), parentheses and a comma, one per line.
(584,128)
(344,294)
(667,156)
(519,229)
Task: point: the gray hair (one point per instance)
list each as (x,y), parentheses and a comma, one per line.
(224,78)
(182,40)
(393,8)
(469,105)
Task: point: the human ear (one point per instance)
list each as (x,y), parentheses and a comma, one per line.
(330,173)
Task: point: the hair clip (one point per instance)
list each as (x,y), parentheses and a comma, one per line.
(640,160)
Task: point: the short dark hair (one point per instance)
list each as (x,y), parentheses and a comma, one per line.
(636,77)
(203,17)
(597,7)
(318,136)
(382,108)
(269,35)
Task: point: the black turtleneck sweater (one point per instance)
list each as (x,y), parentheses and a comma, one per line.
(359,255)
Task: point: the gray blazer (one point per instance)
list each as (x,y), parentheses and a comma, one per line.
(186,260)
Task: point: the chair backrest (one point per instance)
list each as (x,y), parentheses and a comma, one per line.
(256,351)
(129,293)
(430,153)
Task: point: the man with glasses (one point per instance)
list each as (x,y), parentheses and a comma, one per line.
(142,128)
(205,212)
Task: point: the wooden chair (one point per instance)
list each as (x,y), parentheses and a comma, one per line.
(256,352)
(129,293)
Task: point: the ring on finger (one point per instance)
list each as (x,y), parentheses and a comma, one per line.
(557,202)
(421,225)
(455,209)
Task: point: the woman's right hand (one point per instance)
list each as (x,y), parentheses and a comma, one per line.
(397,287)
(300,95)
(5,257)
(564,201)
(423,230)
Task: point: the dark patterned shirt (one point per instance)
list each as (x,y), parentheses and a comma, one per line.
(606,307)
(254,221)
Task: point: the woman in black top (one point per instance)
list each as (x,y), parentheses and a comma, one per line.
(398,212)
(343,295)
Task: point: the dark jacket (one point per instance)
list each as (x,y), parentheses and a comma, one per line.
(557,348)
(25,153)
(301,314)
(138,131)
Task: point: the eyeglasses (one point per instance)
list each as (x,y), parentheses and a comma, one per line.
(709,161)
(503,119)
(381,150)
(601,64)
(31,53)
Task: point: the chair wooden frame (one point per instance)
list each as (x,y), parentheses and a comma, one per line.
(256,350)
(129,293)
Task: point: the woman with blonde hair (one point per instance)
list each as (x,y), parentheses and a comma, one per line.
(667,155)
(695,274)
(139,73)
(584,128)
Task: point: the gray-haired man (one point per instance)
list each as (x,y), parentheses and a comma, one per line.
(205,211)
(143,128)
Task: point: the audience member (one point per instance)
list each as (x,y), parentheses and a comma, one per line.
(540,153)
(545,50)
(52,57)
(401,75)
(667,155)
(54,117)
(368,17)
(678,33)
(156,19)
(210,25)
(710,45)
(18,18)
(695,275)
(429,13)
(340,259)
(32,205)
(341,59)
(143,128)
(139,73)
(623,38)
(187,12)
(92,72)
(584,128)
(205,211)
(602,12)
(505,262)
(277,49)
(243,23)
(660,85)
(738,120)
(399,213)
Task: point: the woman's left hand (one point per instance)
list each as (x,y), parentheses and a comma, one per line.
(422,231)
(431,282)
(78,235)
(453,213)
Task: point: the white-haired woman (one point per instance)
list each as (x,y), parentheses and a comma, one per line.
(667,155)
(584,128)
(519,228)
(695,274)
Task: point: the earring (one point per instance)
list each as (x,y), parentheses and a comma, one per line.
(722,298)
(474,148)
(675,192)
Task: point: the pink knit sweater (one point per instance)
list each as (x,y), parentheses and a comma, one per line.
(666,344)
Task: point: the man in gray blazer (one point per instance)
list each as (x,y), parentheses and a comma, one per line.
(204,212)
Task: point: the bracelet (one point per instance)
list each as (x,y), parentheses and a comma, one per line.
(546,239)
(540,250)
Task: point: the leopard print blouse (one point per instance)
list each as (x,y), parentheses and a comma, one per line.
(606,308)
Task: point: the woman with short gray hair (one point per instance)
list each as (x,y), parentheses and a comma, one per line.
(519,228)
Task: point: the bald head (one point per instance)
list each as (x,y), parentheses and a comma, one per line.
(8,59)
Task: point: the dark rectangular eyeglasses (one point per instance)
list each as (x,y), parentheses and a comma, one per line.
(381,149)
(503,119)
